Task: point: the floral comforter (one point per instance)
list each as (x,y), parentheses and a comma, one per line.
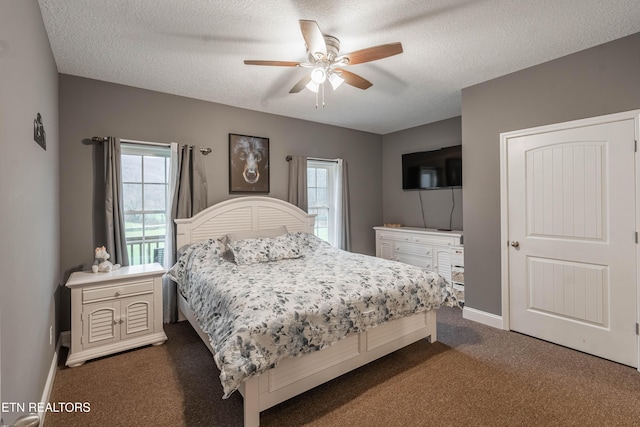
(256,314)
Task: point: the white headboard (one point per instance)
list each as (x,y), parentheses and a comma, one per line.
(240,214)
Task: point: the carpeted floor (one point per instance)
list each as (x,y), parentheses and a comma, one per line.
(474,376)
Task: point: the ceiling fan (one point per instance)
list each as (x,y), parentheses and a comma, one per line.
(326,63)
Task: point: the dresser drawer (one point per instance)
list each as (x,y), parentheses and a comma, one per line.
(457,259)
(418,261)
(457,256)
(457,274)
(413,249)
(117,291)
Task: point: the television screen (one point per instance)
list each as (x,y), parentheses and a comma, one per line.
(432,169)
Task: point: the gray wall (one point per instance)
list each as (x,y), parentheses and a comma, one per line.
(601,80)
(93,108)
(403,207)
(29,215)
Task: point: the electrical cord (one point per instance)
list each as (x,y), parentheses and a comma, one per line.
(422,208)
(453,205)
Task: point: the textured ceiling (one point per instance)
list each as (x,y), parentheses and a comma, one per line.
(196,49)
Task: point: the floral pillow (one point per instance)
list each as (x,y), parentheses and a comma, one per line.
(211,248)
(284,247)
(308,241)
(249,251)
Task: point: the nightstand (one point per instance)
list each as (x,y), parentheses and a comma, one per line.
(115,311)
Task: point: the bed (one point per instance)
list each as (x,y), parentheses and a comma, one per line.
(269,363)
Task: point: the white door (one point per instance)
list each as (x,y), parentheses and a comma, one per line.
(572,259)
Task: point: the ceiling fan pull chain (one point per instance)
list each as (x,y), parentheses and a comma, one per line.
(322,94)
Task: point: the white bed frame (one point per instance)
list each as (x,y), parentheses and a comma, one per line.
(293,376)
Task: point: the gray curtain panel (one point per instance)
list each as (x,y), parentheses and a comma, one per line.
(297,194)
(346,210)
(114,209)
(188,197)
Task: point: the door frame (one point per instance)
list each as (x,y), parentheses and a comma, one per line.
(504,199)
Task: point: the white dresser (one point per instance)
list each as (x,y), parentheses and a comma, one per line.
(427,248)
(115,311)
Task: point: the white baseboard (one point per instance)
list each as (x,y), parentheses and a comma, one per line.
(48,386)
(483,317)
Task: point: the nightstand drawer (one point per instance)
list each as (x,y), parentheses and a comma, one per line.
(130,288)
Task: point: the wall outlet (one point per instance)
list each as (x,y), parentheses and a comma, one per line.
(51,335)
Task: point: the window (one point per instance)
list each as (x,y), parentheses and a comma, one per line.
(323,190)
(145,193)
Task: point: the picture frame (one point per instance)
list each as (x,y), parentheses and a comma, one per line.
(39,135)
(248,164)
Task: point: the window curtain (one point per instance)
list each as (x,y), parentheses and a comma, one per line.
(343,208)
(114,209)
(297,194)
(188,196)
(340,224)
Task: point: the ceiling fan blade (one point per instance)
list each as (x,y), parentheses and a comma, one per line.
(272,63)
(354,79)
(301,84)
(373,53)
(313,37)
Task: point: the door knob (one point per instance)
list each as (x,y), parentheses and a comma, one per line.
(515,244)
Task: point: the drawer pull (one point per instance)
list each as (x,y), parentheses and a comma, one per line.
(119,292)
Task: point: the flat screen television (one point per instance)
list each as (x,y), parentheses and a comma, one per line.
(428,170)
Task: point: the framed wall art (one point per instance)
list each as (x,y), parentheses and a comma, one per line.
(248,164)
(39,135)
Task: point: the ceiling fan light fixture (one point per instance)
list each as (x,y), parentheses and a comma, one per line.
(312,86)
(335,80)
(318,75)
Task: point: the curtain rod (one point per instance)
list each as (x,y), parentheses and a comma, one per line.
(289,158)
(204,151)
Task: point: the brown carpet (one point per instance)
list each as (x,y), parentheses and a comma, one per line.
(474,376)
